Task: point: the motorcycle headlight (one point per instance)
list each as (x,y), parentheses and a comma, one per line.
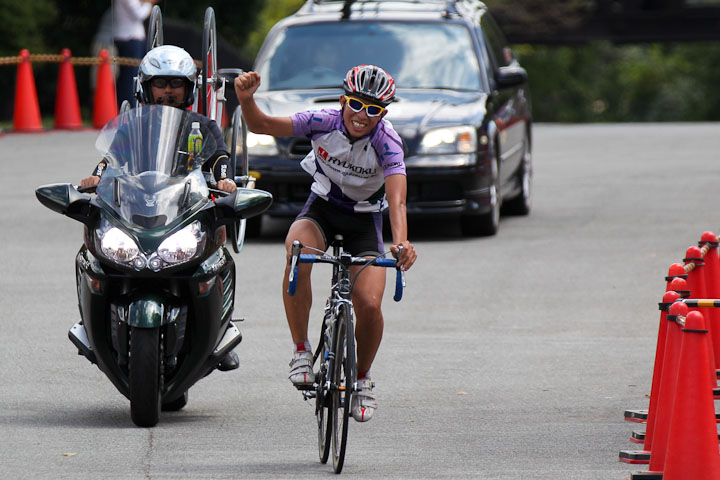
(261,145)
(183,245)
(118,246)
(461,139)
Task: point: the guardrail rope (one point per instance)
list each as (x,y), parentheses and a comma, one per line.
(82,61)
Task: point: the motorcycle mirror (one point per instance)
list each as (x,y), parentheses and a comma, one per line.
(250,202)
(244,203)
(65,199)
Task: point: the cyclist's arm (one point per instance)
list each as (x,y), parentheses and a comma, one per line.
(396,193)
(257,121)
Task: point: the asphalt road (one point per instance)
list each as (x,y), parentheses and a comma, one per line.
(511,357)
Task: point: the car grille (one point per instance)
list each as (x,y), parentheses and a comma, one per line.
(286,191)
(432,192)
(299,147)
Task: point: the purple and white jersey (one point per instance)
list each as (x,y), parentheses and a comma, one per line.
(349,175)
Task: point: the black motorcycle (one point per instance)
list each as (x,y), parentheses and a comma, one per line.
(155,283)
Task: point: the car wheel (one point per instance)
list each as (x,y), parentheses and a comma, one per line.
(486,224)
(522,203)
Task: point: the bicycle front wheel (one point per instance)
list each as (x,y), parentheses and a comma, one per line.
(343,380)
(323,412)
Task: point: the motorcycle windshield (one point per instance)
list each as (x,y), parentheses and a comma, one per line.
(150,178)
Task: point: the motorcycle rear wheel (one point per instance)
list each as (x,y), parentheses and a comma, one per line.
(145,376)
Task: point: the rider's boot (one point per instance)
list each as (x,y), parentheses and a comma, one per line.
(229,362)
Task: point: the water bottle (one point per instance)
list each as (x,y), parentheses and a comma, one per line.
(195,140)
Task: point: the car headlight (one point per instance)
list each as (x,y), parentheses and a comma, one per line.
(261,145)
(461,139)
(183,245)
(117,245)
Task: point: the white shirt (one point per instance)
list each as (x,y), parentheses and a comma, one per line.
(128,17)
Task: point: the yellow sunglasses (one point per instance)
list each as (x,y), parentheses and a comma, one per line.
(357,106)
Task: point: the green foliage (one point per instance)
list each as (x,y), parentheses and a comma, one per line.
(234,19)
(274,11)
(602,82)
(23,25)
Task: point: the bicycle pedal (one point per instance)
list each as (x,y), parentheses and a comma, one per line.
(305,388)
(237,320)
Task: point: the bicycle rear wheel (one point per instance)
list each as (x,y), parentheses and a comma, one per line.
(208,104)
(323,411)
(343,381)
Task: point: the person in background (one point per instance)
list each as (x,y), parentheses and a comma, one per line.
(103,40)
(129,37)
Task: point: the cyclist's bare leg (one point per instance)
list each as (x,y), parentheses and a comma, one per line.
(367,299)
(297,307)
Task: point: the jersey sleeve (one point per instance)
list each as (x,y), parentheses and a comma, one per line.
(389,148)
(313,122)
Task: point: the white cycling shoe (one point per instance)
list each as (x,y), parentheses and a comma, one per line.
(301,372)
(363,401)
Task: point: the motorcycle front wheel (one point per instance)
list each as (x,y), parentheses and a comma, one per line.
(145,376)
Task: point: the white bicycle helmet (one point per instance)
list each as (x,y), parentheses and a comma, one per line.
(370,82)
(171,62)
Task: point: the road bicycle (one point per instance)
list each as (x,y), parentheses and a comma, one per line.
(336,377)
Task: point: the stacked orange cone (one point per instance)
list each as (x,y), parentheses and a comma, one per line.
(712,289)
(692,448)
(681,438)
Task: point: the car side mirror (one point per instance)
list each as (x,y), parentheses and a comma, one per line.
(510,76)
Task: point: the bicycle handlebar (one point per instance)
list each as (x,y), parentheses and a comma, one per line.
(297,257)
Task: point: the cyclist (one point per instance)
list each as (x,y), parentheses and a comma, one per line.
(358,169)
(166,76)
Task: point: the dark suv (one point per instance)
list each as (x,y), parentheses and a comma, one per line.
(462,106)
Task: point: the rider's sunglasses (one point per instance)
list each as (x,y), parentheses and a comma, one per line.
(159,82)
(357,106)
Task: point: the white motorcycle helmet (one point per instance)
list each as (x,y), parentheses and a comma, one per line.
(166,61)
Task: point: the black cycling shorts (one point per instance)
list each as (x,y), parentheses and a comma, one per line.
(362,232)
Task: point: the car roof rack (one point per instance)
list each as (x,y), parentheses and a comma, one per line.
(448,7)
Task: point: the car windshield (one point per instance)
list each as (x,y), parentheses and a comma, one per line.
(417,55)
(150,178)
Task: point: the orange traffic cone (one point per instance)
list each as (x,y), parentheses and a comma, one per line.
(668,385)
(668,299)
(676,270)
(696,282)
(692,449)
(712,289)
(26,117)
(678,284)
(105,102)
(662,406)
(67,103)
(643,456)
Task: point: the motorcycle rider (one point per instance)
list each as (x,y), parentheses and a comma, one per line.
(166,76)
